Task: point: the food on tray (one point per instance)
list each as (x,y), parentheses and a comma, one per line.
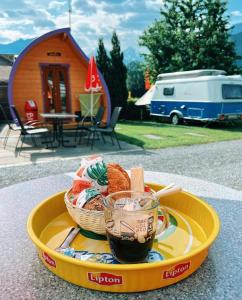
(118,179)
(92,173)
(89,198)
(79,185)
(106,200)
(96,179)
(137,179)
(95,203)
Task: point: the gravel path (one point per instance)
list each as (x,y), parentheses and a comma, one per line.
(216,162)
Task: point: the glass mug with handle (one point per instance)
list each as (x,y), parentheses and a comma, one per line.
(131,224)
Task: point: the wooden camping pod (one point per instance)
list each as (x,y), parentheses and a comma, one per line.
(55,55)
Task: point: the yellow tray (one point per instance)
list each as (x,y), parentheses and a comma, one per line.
(176,254)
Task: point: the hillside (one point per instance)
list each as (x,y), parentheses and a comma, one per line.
(15,47)
(237,38)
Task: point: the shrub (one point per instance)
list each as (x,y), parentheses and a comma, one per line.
(134,112)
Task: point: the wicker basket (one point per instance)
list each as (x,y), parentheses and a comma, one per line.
(91,220)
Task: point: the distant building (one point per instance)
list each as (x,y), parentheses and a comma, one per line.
(6,63)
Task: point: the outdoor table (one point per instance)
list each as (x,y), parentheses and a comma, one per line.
(57,122)
(23,276)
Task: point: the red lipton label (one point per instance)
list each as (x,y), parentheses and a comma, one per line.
(176,271)
(105,278)
(50,261)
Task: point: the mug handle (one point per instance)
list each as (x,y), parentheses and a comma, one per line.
(165,223)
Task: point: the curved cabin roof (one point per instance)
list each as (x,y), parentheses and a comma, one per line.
(36,53)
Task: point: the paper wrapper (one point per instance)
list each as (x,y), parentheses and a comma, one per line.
(90,183)
(85,196)
(92,173)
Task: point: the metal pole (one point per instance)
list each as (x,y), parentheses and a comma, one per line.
(91,90)
(70,11)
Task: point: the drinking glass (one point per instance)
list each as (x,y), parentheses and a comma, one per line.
(131,222)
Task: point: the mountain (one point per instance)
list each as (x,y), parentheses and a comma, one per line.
(131,54)
(237,39)
(15,47)
(237,28)
(236,36)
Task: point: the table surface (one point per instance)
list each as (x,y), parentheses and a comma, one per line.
(23,276)
(58,115)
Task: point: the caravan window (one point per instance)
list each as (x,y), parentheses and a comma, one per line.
(168,91)
(232,91)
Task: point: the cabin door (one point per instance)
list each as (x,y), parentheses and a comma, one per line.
(56,89)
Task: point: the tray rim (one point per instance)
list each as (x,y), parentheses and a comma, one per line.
(122,267)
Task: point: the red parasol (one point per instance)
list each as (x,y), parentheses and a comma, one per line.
(147,80)
(93,83)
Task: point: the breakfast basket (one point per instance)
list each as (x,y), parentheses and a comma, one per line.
(91,220)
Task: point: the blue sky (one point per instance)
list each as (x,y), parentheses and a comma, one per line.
(91,19)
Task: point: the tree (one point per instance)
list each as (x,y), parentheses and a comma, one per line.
(118,74)
(190,34)
(217,49)
(135,78)
(103,61)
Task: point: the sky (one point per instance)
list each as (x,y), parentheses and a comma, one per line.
(91,19)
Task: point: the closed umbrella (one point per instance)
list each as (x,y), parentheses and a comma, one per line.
(93,83)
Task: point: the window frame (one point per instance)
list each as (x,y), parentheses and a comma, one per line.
(224,85)
(171,88)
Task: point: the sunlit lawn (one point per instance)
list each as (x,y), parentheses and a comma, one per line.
(168,135)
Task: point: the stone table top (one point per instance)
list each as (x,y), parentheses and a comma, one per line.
(23,276)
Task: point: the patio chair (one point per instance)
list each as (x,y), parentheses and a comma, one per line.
(12,126)
(96,122)
(32,132)
(109,130)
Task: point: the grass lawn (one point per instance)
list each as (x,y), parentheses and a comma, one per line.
(152,135)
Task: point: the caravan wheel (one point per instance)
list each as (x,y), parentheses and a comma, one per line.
(175,119)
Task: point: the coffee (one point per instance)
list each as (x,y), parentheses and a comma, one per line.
(130,226)
(128,249)
(130,239)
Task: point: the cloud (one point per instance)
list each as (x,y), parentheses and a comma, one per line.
(56,4)
(13,35)
(91,19)
(236,13)
(154,4)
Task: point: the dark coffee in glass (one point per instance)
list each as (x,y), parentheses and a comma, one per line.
(129,251)
(131,220)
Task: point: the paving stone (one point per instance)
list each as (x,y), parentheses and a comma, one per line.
(153,137)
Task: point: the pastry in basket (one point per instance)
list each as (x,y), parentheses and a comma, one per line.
(90,199)
(118,178)
(94,176)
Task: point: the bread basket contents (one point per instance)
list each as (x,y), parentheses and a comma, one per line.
(93,181)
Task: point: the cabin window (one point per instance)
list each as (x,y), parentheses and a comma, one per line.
(232,91)
(168,91)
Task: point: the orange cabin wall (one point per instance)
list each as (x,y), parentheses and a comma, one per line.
(27,82)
